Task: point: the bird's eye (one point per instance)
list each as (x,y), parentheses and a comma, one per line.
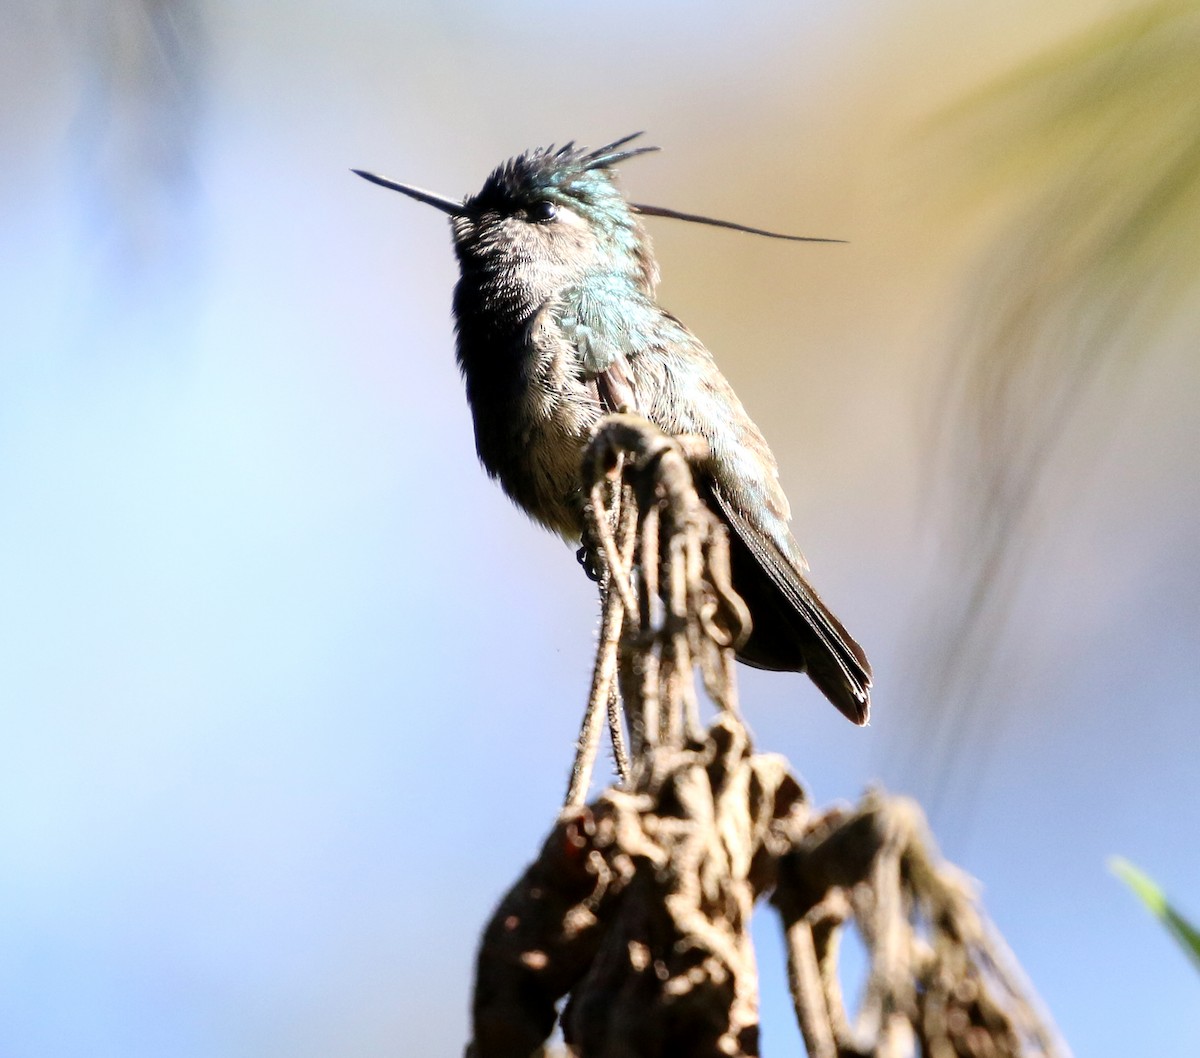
(542,211)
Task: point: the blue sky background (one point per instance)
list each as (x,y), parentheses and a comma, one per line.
(288,689)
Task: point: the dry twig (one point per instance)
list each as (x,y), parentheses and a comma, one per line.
(638,906)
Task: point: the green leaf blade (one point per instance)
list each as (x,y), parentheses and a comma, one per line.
(1147,891)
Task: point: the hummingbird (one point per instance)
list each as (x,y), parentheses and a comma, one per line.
(558,325)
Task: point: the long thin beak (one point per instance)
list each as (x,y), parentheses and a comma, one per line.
(446,205)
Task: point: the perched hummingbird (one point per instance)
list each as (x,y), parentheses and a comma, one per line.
(558,325)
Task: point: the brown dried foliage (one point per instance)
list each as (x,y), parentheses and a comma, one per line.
(637,909)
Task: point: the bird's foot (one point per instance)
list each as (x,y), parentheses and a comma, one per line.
(586,558)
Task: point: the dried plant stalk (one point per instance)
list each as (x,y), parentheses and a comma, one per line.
(637,909)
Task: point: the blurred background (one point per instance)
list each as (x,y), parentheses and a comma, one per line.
(288,689)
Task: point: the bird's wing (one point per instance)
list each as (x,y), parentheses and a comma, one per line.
(831,657)
(795,631)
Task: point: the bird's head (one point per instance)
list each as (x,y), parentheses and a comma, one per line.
(549,219)
(554,218)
